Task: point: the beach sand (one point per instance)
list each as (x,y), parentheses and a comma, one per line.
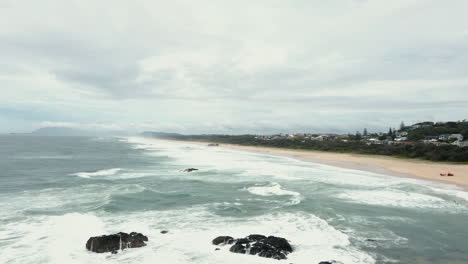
(380,164)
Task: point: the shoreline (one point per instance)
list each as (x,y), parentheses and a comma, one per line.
(419,169)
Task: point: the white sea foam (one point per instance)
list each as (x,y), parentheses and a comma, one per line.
(271,189)
(55,239)
(275,189)
(452,192)
(394,198)
(132,175)
(106,172)
(61,239)
(144,147)
(243,164)
(40,238)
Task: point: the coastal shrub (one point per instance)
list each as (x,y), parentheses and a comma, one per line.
(415,150)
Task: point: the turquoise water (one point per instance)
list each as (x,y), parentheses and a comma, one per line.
(56,192)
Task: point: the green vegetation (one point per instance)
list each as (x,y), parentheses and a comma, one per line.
(365,143)
(429,129)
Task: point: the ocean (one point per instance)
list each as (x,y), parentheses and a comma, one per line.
(56,192)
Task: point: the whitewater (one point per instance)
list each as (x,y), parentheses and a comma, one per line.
(56,192)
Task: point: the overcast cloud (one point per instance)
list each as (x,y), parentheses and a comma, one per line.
(232,66)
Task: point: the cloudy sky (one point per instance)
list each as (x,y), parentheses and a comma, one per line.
(211,66)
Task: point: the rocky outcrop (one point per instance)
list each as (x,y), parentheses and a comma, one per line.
(222,240)
(260,245)
(115,242)
(330,262)
(190,169)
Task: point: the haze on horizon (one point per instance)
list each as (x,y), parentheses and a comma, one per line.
(232,66)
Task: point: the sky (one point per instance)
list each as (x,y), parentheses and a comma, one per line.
(243,66)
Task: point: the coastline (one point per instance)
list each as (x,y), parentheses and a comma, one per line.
(420,169)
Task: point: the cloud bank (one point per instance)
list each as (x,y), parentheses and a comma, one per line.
(232,66)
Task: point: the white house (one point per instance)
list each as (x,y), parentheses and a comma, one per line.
(401,134)
(444,137)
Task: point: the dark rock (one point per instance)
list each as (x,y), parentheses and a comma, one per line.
(216,249)
(223,240)
(272,254)
(238,248)
(190,170)
(243,241)
(330,262)
(164,232)
(115,242)
(267,247)
(371,240)
(256,237)
(279,243)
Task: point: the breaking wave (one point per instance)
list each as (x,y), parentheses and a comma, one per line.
(107,172)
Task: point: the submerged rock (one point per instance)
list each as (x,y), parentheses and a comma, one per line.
(260,245)
(113,243)
(164,232)
(190,169)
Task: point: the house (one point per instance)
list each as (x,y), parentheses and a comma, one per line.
(321,138)
(401,139)
(374,141)
(444,137)
(401,134)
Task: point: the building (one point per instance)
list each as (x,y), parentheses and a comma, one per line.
(401,139)
(374,141)
(444,137)
(401,134)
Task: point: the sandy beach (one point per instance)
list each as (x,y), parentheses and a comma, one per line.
(380,164)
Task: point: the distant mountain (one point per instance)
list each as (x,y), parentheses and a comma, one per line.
(63,131)
(160,134)
(67,131)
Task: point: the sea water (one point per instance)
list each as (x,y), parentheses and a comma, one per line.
(56,192)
